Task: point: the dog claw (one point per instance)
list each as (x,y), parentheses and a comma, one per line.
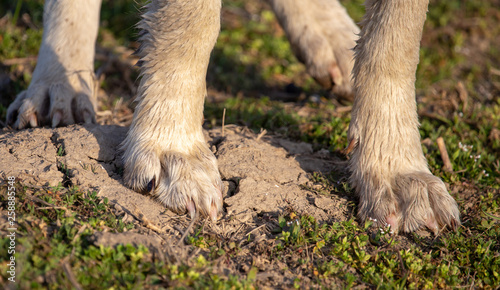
(213,212)
(191,208)
(336,75)
(392,222)
(32,120)
(151,185)
(56,119)
(87,117)
(432,225)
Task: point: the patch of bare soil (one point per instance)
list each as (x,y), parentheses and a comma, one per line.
(265,177)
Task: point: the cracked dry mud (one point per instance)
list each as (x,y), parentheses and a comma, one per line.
(264,177)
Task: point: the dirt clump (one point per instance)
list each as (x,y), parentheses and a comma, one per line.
(265,177)
(262,174)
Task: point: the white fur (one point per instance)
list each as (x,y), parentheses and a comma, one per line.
(165,141)
(389,170)
(63,87)
(322,36)
(165,151)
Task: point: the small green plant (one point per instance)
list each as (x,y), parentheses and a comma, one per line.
(60,151)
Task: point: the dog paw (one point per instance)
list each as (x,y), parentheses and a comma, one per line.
(186,180)
(395,186)
(407,202)
(55,102)
(322,36)
(328,56)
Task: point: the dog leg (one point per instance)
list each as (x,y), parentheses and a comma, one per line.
(165,150)
(322,36)
(389,171)
(63,87)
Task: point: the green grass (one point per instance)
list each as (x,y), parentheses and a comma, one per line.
(465,257)
(251,60)
(54,228)
(320,127)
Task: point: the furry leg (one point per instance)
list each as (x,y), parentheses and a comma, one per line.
(165,151)
(322,36)
(63,87)
(389,171)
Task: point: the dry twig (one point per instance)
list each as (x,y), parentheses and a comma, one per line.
(145,222)
(463,95)
(261,134)
(444,155)
(69,273)
(188,229)
(223,121)
(22,60)
(78,234)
